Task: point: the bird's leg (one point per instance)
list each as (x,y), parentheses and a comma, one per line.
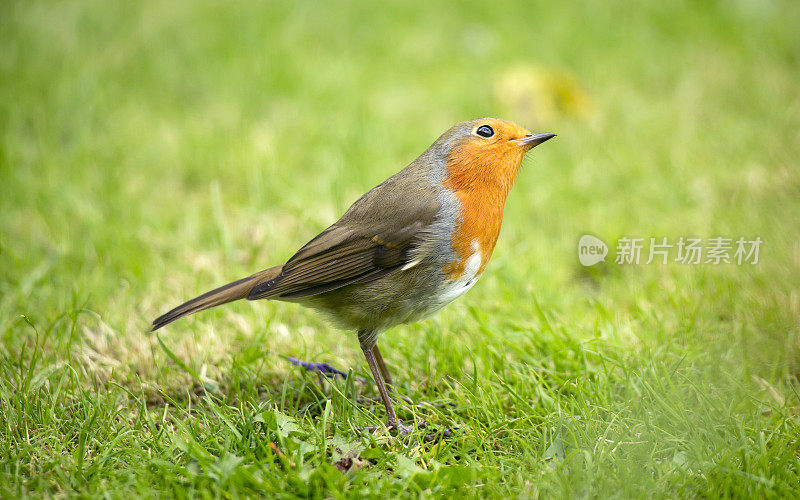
(382,378)
(382,366)
(367,340)
(385,374)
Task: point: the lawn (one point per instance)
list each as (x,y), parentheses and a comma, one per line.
(150,151)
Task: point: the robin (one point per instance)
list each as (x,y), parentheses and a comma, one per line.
(405,249)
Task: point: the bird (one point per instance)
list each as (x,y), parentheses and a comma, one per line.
(402,251)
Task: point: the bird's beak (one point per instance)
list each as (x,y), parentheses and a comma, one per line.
(534,140)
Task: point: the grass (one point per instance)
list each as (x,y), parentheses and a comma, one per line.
(151,151)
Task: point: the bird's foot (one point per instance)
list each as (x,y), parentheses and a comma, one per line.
(323,369)
(404,430)
(436,435)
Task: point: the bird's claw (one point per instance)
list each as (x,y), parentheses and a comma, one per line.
(404,430)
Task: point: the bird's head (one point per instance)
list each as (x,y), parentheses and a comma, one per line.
(486,152)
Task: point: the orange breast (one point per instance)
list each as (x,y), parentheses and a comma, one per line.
(481,182)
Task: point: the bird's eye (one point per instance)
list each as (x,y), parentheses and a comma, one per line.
(485,131)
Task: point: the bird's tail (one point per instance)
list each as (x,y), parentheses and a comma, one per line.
(227,293)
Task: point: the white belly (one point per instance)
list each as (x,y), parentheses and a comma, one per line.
(455,288)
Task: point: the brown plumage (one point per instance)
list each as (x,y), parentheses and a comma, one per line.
(239,289)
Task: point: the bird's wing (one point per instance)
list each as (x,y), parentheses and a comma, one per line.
(362,246)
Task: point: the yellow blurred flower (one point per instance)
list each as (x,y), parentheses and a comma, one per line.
(536,95)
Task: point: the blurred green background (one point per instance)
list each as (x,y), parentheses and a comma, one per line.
(150,151)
